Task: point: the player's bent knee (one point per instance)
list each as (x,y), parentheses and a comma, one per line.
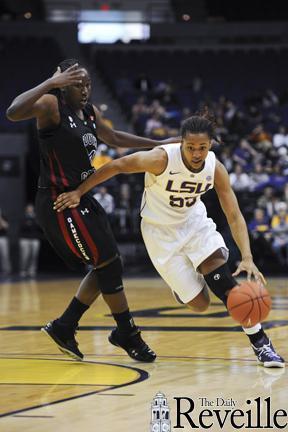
(220,281)
(201,302)
(109,277)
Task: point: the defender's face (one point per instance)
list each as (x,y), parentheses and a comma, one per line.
(194,149)
(77,95)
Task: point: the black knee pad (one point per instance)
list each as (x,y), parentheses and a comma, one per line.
(220,281)
(110,277)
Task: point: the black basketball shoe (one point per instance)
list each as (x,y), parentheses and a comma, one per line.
(133,344)
(64,337)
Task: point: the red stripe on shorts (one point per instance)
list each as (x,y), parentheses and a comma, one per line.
(83,229)
(63,178)
(60,216)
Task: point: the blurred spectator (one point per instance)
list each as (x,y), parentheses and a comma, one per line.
(286,192)
(143,83)
(29,243)
(107,122)
(260,223)
(139,108)
(270,99)
(258,178)
(221,130)
(279,225)
(140,112)
(259,228)
(105,199)
(269,201)
(103,108)
(276,179)
(230,110)
(165,92)
(261,138)
(155,127)
(255,117)
(197,84)
(157,108)
(102,157)
(280,139)
(123,210)
(4,246)
(186,113)
(243,153)
(239,180)
(226,159)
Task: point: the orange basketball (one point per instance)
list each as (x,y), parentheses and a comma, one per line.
(249,303)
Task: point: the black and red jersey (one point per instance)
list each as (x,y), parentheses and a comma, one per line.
(67,150)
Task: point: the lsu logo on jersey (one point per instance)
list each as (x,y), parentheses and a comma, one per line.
(196,188)
(186,187)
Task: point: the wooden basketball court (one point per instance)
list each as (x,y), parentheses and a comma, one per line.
(199,356)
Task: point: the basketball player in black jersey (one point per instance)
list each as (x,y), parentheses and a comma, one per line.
(68,130)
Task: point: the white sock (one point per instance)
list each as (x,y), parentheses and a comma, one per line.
(252,330)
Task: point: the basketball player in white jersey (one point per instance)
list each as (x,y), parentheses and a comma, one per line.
(182,242)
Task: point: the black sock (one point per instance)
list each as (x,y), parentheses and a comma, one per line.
(73,313)
(257,337)
(124,321)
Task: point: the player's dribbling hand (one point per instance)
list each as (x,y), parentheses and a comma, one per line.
(247,265)
(71,76)
(67,200)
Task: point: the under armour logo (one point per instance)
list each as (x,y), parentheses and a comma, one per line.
(72,123)
(216,276)
(84,211)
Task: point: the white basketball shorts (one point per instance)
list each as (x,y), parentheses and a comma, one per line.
(177,251)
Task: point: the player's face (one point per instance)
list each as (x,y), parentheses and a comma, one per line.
(77,95)
(195,149)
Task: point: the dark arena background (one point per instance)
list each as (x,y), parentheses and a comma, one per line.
(153,64)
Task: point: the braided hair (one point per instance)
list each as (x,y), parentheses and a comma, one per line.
(201,122)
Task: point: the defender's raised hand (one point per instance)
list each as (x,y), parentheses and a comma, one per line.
(71,76)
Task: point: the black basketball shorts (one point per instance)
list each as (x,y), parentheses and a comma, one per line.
(79,235)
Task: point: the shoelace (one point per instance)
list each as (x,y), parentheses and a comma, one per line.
(140,346)
(267,350)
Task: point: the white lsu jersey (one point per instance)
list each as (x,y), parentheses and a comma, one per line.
(175,195)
